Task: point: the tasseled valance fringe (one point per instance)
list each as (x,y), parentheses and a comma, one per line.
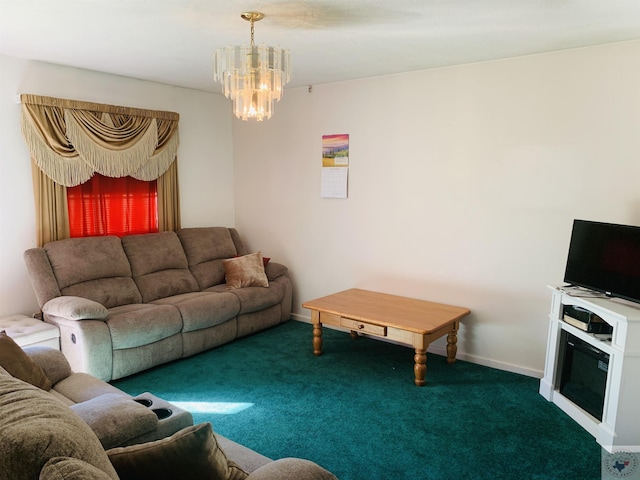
(134,151)
(66,171)
(160,162)
(112,163)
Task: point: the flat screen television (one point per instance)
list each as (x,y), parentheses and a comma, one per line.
(605,257)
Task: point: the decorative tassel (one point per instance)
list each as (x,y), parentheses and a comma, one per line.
(66,171)
(160,162)
(112,163)
(141,158)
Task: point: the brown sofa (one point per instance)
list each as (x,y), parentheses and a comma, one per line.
(127,304)
(45,435)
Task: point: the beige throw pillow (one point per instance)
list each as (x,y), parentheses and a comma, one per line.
(19,365)
(191,453)
(245,271)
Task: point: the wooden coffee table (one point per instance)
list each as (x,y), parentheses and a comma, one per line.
(400,319)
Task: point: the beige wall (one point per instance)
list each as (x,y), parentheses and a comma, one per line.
(205,156)
(463,185)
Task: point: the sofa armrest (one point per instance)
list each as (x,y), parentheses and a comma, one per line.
(291,469)
(116,418)
(81,387)
(274,270)
(52,362)
(75,308)
(86,344)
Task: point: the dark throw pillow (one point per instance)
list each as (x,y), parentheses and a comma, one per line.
(19,365)
(191,453)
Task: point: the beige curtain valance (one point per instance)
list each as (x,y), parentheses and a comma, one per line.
(71,140)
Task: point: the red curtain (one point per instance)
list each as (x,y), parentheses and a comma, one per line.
(113,206)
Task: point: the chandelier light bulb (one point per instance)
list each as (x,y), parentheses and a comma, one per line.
(252,76)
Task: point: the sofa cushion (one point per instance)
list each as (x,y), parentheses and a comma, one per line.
(17,363)
(142,324)
(291,469)
(245,271)
(52,362)
(159,265)
(36,427)
(247,459)
(116,418)
(66,468)
(193,449)
(209,274)
(204,244)
(237,241)
(110,292)
(95,268)
(203,309)
(205,249)
(166,283)
(253,299)
(80,387)
(127,361)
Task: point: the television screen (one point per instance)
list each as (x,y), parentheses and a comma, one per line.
(605,257)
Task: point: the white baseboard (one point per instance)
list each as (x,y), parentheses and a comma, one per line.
(438,350)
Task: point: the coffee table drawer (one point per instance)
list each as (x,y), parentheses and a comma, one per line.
(363,327)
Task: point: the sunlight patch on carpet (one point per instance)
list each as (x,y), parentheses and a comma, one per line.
(223,408)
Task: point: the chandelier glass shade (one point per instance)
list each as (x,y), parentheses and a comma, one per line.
(252,76)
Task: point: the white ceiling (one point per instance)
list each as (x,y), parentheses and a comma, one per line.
(171,41)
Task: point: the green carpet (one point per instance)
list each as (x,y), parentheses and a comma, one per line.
(355,410)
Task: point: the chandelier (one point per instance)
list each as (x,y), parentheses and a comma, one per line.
(252,76)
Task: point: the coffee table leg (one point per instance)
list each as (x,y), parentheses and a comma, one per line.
(452,347)
(317,339)
(420,367)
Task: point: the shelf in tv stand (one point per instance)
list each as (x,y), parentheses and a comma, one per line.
(598,340)
(620,425)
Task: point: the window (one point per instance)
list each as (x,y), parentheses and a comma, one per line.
(112,206)
(70,141)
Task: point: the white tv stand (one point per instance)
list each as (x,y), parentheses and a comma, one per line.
(620,425)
